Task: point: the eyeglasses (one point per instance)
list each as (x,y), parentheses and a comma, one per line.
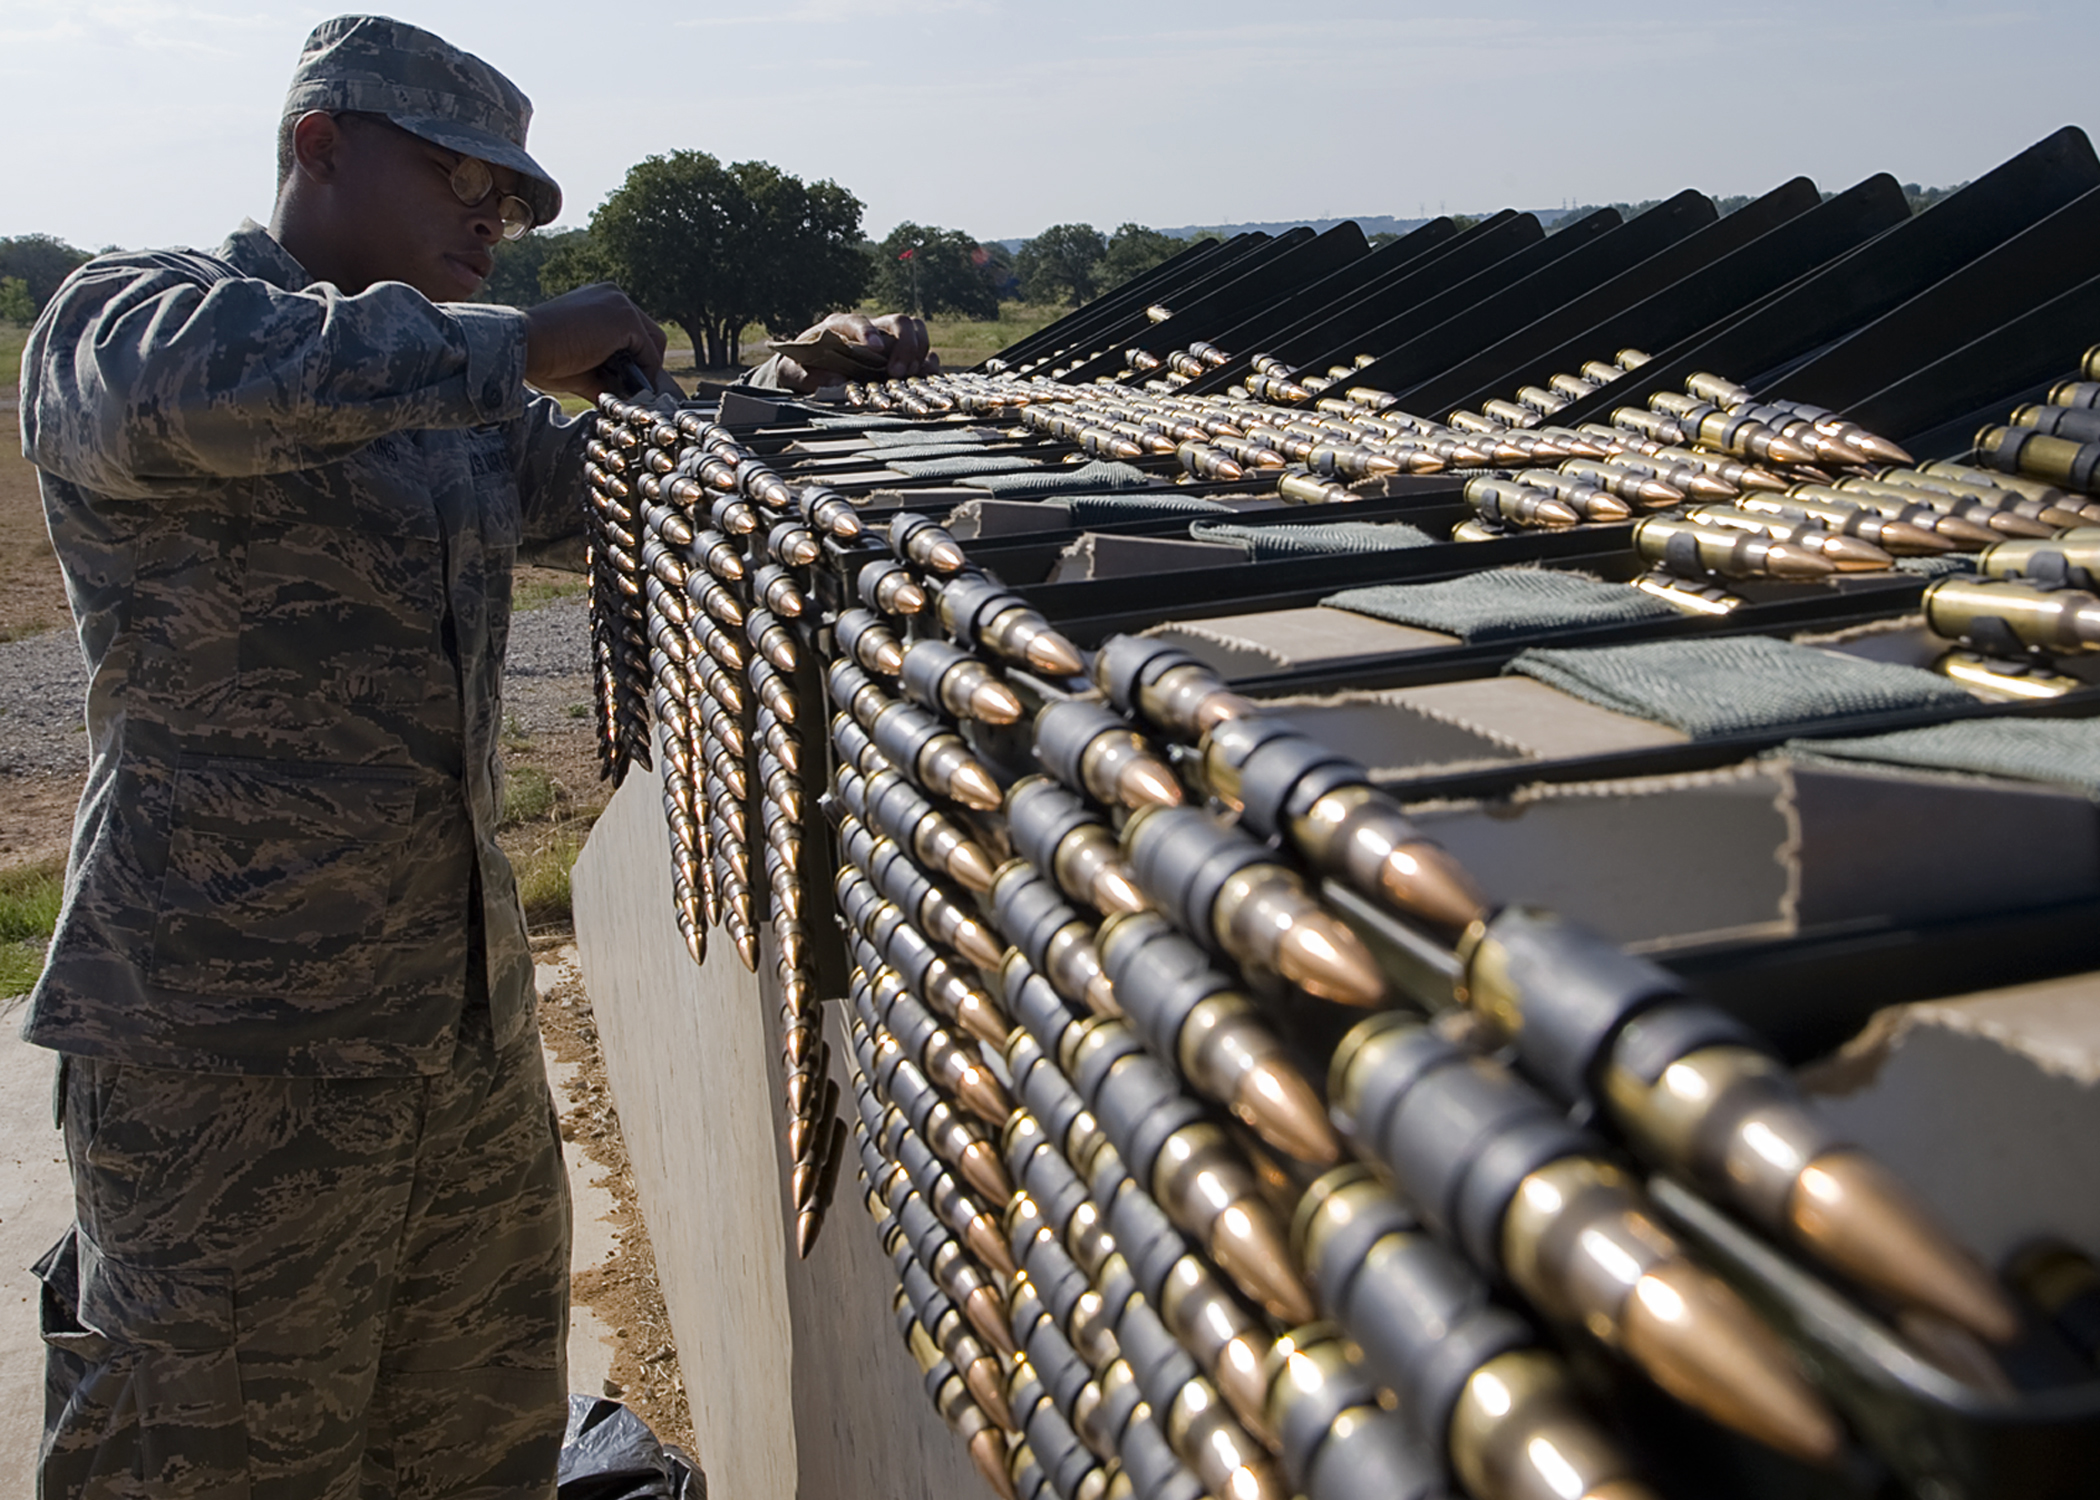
(472,182)
(472,179)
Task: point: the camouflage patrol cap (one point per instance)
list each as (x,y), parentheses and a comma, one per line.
(427,86)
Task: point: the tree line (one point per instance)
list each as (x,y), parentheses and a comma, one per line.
(714,248)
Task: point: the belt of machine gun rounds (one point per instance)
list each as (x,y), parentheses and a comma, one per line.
(1140,1249)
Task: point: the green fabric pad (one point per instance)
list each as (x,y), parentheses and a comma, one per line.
(1708,688)
(1507,602)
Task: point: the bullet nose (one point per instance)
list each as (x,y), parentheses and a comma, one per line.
(1852,1213)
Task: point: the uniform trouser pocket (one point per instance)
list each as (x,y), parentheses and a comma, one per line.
(143,1390)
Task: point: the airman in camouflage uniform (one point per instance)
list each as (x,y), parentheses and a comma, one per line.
(322,1225)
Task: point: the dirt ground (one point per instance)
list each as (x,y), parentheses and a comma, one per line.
(32,597)
(623,1291)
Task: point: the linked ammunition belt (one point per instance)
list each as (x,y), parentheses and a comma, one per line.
(1185,1192)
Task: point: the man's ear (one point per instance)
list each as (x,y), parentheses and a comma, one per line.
(317,140)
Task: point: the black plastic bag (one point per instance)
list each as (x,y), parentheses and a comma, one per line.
(609,1453)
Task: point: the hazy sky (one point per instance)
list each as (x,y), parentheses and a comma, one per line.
(153,122)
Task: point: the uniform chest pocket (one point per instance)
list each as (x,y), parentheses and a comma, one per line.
(279,877)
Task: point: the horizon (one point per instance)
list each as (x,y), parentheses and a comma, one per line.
(187,101)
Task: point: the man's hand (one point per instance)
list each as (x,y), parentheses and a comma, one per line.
(898,338)
(569,340)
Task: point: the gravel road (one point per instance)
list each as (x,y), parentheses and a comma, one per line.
(43,683)
(43,686)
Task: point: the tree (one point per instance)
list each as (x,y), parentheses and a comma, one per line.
(926,269)
(520,265)
(16,305)
(1133,250)
(1383,238)
(712,248)
(1064,261)
(40,262)
(576,261)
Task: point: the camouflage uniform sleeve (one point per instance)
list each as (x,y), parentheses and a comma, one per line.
(548,447)
(148,376)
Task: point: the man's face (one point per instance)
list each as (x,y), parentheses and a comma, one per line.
(395,216)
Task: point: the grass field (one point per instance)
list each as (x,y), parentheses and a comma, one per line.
(29,899)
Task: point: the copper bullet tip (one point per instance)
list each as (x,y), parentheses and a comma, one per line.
(1145,781)
(1251,1248)
(1784,450)
(1284,1109)
(1964,533)
(1700,1342)
(981,1169)
(1880,449)
(974,941)
(1322,956)
(908,599)
(972,785)
(2011,523)
(1050,653)
(1855,556)
(1556,513)
(995,703)
(747,951)
(985,1243)
(889,658)
(1609,508)
(982,1308)
(807,1223)
(1754,478)
(1708,487)
(945,557)
(982,1377)
(802,551)
(1653,492)
(1114,891)
(1905,539)
(982,1096)
(971,866)
(1849,1210)
(988,1453)
(1787,560)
